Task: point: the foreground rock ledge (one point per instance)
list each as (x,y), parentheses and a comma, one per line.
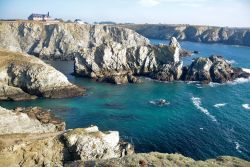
(24,77)
(34,137)
(155,159)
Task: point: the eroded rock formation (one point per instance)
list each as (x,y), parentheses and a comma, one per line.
(212,69)
(117,63)
(27,77)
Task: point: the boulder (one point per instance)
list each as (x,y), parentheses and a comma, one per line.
(91,144)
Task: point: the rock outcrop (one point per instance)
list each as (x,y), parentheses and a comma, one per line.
(61,40)
(205,34)
(34,137)
(212,69)
(27,77)
(116,63)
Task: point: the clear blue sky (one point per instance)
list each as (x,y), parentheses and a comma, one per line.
(208,12)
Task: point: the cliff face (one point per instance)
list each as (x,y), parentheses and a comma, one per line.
(206,34)
(25,77)
(62,40)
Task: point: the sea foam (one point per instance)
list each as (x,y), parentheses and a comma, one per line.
(197,103)
(219,105)
(246,106)
(231,61)
(237,147)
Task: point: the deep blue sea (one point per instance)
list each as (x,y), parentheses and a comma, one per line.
(200,122)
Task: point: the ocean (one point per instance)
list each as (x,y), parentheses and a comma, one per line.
(200,121)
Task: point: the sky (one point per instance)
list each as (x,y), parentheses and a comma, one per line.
(232,13)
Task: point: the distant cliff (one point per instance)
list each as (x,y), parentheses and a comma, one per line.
(206,34)
(62,40)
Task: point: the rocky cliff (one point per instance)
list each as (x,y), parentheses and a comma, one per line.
(206,34)
(62,40)
(25,77)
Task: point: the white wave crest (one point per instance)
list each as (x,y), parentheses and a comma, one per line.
(197,103)
(219,105)
(237,147)
(246,106)
(246,70)
(231,61)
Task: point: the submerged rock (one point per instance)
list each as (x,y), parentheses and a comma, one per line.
(26,77)
(159,102)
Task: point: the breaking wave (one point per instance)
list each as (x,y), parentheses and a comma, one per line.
(246,106)
(197,103)
(219,105)
(237,147)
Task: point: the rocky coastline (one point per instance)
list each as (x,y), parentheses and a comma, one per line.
(109,54)
(35,137)
(205,34)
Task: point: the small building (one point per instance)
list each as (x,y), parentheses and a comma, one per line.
(78,21)
(40,17)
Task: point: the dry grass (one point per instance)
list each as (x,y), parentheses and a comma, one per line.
(7,57)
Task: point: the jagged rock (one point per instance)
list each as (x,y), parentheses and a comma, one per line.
(117,63)
(26,77)
(168,72)
(22,121)
(174,43)
(212,69)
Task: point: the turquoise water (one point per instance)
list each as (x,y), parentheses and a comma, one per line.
(189,125)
